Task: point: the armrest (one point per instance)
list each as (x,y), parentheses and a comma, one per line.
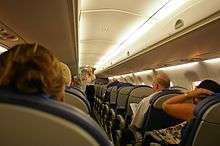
(121,121)
(138,137)
(157,138)
(111,114)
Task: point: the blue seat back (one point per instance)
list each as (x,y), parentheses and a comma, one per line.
(155,117)
(38,120)
(136,95)
(123,95)
(79,95)
(115,91)
(204,129)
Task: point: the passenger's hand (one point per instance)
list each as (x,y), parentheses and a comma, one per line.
(200,92)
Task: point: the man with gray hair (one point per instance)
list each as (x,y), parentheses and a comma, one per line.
(160,82)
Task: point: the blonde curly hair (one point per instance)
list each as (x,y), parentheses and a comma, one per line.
(31,69)
(66,73)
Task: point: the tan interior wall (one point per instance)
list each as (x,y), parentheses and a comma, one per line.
(184,75)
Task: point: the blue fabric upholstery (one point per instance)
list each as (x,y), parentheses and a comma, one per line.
(44,103)
(78,89)
(76,93)
(157,118)
(188,133)
(123,85)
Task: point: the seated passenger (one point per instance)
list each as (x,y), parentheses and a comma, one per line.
(66,74)
(161,81)
(31,69)
(180,107)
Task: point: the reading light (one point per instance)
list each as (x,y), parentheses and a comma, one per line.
(2,49)
(167,8)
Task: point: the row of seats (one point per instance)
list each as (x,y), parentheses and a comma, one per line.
(112,105)
(39,120)
(113,112)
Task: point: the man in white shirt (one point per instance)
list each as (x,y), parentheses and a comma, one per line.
(160,82)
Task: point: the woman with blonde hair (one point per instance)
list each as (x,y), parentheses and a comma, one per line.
(31,69)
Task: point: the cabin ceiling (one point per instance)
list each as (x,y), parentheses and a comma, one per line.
(103,23)
(51,23)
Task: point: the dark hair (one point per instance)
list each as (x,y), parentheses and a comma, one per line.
(210,85)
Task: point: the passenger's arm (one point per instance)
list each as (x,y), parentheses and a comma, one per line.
(138,117)
(177,106)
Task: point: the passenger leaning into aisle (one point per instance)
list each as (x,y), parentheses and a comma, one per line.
(180,108)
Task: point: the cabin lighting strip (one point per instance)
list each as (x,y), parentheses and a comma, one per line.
(2,49)
(175,67)
(215,60)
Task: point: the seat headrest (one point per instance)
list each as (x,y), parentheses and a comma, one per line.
(163,93)
(78,94)
(44,104)
(205,104)
(179,88)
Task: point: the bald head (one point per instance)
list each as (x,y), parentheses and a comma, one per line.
(161,81)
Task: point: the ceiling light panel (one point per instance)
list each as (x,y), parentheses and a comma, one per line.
(179,67)
(213,61)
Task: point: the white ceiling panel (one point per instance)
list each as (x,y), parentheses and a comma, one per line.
(141,7)
(104,24)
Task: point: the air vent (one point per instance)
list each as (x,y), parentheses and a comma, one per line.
(105,28)
(179,23)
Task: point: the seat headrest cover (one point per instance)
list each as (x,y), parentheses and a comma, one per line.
(45,104)
(75,92)
(205,104)
(162,93)
(137,86)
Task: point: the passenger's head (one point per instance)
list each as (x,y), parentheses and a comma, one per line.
(31,69)
(209,85)
(161,81)
(66,73)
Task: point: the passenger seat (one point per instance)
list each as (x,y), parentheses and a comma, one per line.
(77,99)
(29,120)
